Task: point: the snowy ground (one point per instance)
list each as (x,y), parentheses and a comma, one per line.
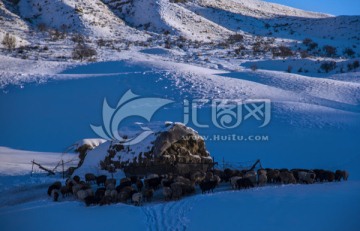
(328,206)
(314,125)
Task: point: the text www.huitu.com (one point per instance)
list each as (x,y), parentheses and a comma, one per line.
(233,137)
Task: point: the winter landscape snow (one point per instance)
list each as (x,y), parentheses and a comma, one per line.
(60,61)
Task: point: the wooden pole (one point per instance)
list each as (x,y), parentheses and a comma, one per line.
(43,168)
(63,169)
(32,167)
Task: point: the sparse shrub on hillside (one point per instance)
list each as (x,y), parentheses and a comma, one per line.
(167,44)
(179,1)
(78,38)
(15,2)
(310,44)
(282,51)
(330,51)
(253,67)
(356,64)
(313,46)
(64,28)
(100,43)
(261,45)
(304,54)
(328,66)
(234,38)
(239,49)
(56,35)
(182,39)
(42,27)
(307,41)
(257,48)
(289,69)
(9,41)
(223,45)
(82,51)
(349,52)
(78,9)
(353,66)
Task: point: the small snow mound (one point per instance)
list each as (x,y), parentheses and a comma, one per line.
(90,143)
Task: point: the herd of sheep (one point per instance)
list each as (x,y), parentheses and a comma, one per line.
(99,190)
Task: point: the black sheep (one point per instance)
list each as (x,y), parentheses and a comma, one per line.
(207,186)
(100,193)
(90,178)
(65,191)
(166,182)
(244,183)
(228,173)
(320,175)
(55,185)
(123,185)
(134,179)
(56,195)
(153,183)
(148,194)
(339,174)
(76,179)
(90,200)
(100,180)
(139,185)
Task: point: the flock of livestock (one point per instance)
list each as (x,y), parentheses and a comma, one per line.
(99,190)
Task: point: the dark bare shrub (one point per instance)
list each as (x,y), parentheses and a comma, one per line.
(100,43)
(307,41)
(42,27)
(349,52)
(330,51)
(289,69)
(254,67)
(311,45)
(78,38)
(328,66)
(304,54)
(353,66)
(56,35)
(234,38)
(9,42)
(82,51)
(282,52)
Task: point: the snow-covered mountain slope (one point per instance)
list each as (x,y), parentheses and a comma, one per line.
(91,18)
(12,23)
(166,17)
(203,20)
(194,27)
(258,8)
